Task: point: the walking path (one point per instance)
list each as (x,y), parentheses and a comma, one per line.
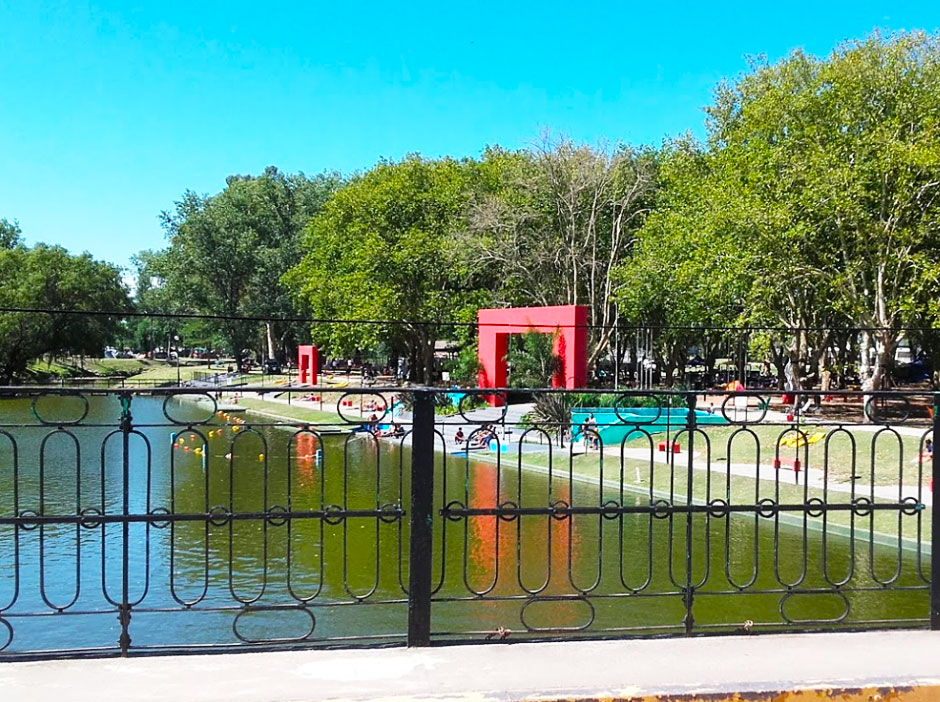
(900,666)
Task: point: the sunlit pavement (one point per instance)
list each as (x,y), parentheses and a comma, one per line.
(901,666)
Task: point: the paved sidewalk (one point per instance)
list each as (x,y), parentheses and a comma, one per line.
(903,665)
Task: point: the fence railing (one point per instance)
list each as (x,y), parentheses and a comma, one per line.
(145,520)
(218,378)
(113,382)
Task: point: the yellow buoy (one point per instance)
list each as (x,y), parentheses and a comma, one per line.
(236,428)
(260,456)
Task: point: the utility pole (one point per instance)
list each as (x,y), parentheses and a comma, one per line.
(177,340)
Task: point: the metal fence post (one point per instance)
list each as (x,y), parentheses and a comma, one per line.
(422,505)
(935,521)
(124,612)
(688,596)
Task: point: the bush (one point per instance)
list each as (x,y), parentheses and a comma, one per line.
(533,363)
(613,399)
(551,412)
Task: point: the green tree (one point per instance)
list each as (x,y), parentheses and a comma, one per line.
(228,252)
(556,220)
(10,234)
(48,278)
(687,269)
(390,246)
(841,160)
(812,206)
(532,361)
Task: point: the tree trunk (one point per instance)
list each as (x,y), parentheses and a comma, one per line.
(428,362)
(886,345)
(269,338)
(778,361)
(864,366)
(793,361)
(841,360)
(634,380)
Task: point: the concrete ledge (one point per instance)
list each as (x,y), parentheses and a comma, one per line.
(899,665)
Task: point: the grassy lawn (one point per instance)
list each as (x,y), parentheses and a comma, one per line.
(273,381)
(90,366)
(299,414)
(895,456)
(115,366)
(670,482)
(143,369)
(160,371)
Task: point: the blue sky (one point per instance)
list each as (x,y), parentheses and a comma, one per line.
(110,110)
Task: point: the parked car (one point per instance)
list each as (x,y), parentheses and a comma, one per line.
(271,366)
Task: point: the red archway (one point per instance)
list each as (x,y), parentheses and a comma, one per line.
(308,364)
(496,325)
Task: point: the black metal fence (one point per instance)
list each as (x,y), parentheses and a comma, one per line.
(222,378)
(136,521)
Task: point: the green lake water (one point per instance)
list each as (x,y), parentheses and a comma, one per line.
(195,584)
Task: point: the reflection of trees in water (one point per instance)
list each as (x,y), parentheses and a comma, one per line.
(240,473)
(303,556)
(62,471)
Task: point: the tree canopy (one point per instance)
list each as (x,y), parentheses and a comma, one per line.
(49,278)
(812,205)
(558,219)
(389,246)
(228,252)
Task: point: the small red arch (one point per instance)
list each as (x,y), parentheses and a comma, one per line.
(307,364)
